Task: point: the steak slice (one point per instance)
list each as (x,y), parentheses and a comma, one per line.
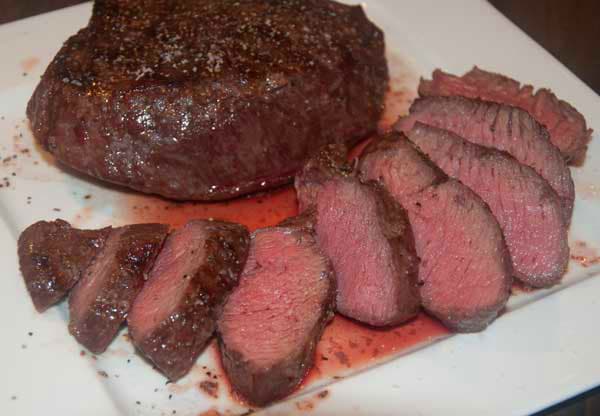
(207,100)
(567,127)
(367,237)
(502,127)
(273,320)
(101,300)
(174,316)
(526,207)
(465,272)
(52,256)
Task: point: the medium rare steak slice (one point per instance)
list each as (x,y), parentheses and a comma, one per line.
(273,320)
(367,237)
(52,256)
(101,300)
(207,100)
(526,207)
(465,272)
(567,127)
(500,126)
(174,316)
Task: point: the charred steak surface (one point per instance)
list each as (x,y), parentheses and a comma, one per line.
(206,100)
(52,257)
(174,316)
(101,300)
(273,320)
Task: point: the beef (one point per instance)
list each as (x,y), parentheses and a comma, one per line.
(567,127)
(207,100)
(273,320)
(500,126)
(526,207)
(101,300)
(464,273)
(174,316)
(52,256)
(367,237)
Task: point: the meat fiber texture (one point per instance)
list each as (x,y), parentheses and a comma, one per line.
(500,126)
(271,324)
(567,127)
(101,300)
(52,257)
(526,207)
(174,316)
(208,100)
(368,238)
(465,271)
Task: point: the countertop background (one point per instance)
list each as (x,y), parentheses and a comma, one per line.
(568,29)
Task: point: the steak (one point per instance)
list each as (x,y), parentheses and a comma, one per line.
(502,127)
(174,316)
(465,272)
(207,100)
(526,207)
(101,300)
(567,127)
(52,257)
(367,237)
(273,320)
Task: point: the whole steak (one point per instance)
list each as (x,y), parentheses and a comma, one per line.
(207,100)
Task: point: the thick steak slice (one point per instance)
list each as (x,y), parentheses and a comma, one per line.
(273,320)
(101,300)
(205,99)
(567,127)
(174,316)
(367,237)
(526,207)
(465,272)
(500,126)
(52,256)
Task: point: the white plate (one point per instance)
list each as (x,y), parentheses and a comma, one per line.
(535,355)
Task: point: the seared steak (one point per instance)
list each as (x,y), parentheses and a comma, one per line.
(206,100)
(174,316)
(465,272)
(101,300)
(502,127)
(367,237)
(273,320)
(526,207)
(567,127)
(52,256)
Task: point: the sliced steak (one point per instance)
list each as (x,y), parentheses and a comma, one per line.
(101,300)
(367,237)
(174,316)
(273,320)
(500,126)
(465,272)
(567,127)
(52,256)
(207,100)
(526,207)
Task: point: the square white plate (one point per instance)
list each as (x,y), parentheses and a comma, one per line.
(543,350)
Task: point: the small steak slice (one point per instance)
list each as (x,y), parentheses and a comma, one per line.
(500,126)
(465,272)
(273,320)
(52,256)
(101,300)
(567,127)
(526,207)
(366,234)
(175,314)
